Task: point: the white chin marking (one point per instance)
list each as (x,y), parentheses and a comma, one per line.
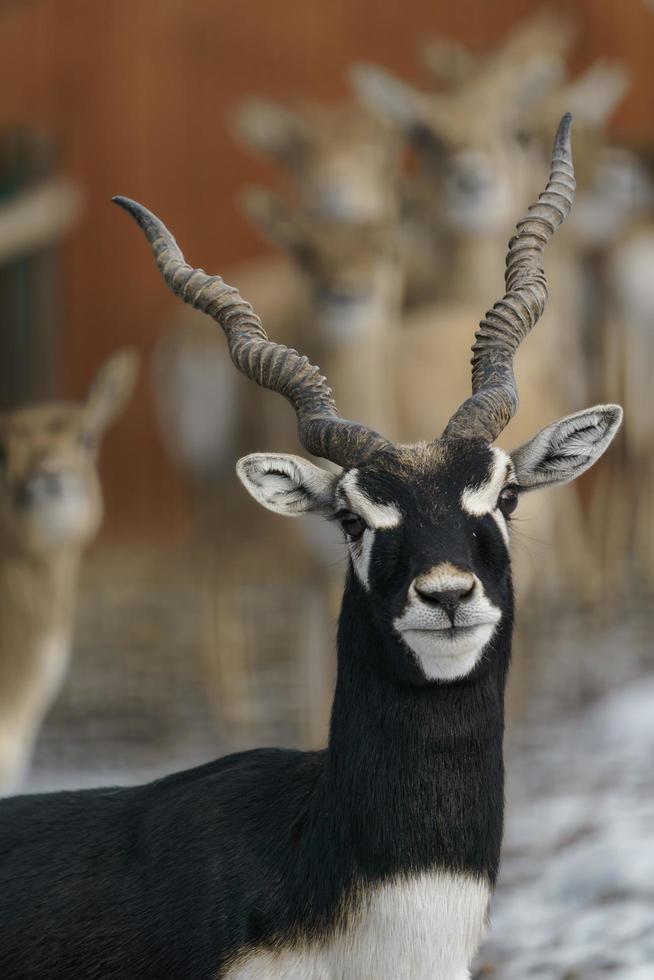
(426,927)
(63,519)
(445,655)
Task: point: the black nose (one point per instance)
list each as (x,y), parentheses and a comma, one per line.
(471,181)
(448,600)
(38,486)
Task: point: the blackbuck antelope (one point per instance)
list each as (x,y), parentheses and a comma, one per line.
(376,857)
(50,509)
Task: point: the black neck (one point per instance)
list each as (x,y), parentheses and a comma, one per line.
(414,771)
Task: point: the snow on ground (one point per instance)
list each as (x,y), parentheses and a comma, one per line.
(576,894)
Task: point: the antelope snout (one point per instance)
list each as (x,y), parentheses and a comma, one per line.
(446,587)
(40,485)
(470,174)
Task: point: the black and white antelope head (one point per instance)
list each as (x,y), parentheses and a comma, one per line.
(426,525)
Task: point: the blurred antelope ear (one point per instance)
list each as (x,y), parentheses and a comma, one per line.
(594,96)
(535,80)
(392,100)
(286,484)
(563,450)
(447,61)
(270,128)
(111,389)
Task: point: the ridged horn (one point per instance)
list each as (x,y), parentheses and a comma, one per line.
(321,429)
(494,398)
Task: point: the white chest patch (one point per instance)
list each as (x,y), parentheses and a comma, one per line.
(54,659)
(427,927)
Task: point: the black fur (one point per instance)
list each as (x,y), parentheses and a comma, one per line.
(175,878)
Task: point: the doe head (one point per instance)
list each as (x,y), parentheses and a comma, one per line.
(50,494)
(427,526)
(469,140)
(351,268)
(344,162)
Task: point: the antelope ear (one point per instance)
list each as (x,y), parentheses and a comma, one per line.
(111,389)
(392,100)
(534,82)
(594,96)
(288,485)
(270,128)
(447,61)
(563,450)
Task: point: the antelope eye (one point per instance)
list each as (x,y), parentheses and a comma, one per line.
(508,500)
(353,525)
(88,441)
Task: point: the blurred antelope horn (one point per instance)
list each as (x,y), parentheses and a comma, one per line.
(494,398)
(321,429)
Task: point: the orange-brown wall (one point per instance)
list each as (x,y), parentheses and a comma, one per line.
(136,93)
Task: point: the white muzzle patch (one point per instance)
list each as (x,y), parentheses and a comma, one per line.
(65,516)
(476,197)
(447,646)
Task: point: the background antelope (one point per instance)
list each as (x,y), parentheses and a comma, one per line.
(50,509)
(377,856)
(343,160)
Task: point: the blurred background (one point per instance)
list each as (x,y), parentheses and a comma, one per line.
(356,170)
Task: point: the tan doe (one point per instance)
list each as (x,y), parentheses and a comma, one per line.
(353,279)
(50,509)
(474,166)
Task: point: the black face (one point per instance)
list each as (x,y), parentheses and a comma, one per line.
(427,531)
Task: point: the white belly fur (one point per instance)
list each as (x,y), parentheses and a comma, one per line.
(426,927)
